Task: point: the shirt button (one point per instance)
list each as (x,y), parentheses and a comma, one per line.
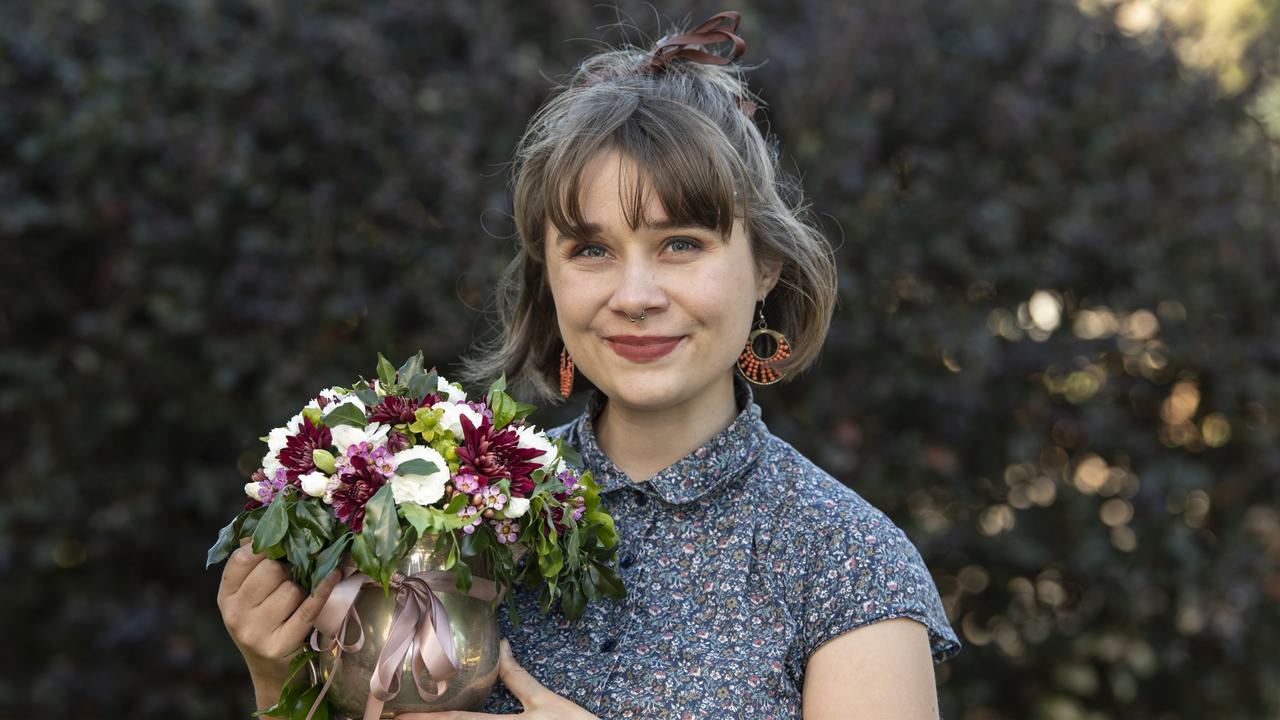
(608,645)
(641,499)
(628,560)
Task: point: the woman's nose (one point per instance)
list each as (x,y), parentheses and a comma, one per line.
(640,290)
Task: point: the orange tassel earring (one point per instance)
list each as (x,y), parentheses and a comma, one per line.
(566,373)
(759,369)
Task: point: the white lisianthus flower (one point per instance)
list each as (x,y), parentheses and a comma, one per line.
(315,483)
(340,400)
(332,397)
(516,507)
(279,437)
(452,417)
(252,489)
(420,489)
(345,436)
(270,464)
(528,436)
(449,391)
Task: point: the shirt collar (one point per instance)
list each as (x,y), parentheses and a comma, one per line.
(721,459)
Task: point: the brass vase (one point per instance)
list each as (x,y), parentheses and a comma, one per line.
(475,640)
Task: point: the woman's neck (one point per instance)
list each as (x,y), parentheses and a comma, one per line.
(642,442)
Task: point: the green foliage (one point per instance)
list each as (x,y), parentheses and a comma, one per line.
(211,210)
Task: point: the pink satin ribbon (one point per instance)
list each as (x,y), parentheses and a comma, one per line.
(420,621)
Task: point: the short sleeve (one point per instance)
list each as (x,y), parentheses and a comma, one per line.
(860,568)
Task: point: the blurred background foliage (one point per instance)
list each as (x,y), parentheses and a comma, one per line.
(1056,363)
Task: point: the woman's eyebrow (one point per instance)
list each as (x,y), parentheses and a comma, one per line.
(592,230)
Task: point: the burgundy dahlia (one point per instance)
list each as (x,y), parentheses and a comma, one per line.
(354,491)
(397,441)
(295,456)
(395,410)
(491,455)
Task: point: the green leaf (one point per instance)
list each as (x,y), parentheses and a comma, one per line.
(365,561)
(573,602)
(310,513)
(455,505)
(301,705)
(297,549)
(610,585)
(411,368)
(417,516)
(386,373)
(418,386)
(227,540)
(452,558)
(522,410)
(476,542)
(513,614)
(551,561)
(381,525)
(347,414)
(251,522)
(572,542)
(429,519)
(602,525)
(498,385)
(368,397)
(328,559)
(274,524)
(568,452)
(417,466)
(408,536)
(462,577)
(504,408)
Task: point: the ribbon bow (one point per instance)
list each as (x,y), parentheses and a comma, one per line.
(420,621)
(716,29)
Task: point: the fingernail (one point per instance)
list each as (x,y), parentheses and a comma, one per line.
(506,647)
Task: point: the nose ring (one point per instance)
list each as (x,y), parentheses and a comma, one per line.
(635,319)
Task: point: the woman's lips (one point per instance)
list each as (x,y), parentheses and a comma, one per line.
(638,348)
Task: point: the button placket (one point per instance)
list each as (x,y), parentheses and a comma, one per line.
(629,560)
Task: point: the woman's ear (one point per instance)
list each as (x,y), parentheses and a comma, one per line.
(767,274)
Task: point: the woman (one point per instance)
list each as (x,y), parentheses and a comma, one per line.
(655,235)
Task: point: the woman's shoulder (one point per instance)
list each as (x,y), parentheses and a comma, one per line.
(801,489)
(847,562)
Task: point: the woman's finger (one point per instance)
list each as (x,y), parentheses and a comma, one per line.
(262,581)
(299,625)
(452,715)
(239,565)
(518,680)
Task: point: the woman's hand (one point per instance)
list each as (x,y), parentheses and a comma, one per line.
(538,701)
(268,616)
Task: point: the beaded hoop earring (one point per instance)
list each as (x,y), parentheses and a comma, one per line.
(566,373)
(759,369)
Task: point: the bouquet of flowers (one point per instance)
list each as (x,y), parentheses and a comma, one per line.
(362,474)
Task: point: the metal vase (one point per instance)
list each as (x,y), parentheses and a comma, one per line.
(475,640)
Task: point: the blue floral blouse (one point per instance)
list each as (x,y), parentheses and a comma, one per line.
(740,560)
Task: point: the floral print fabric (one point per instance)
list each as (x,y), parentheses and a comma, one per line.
(740,560)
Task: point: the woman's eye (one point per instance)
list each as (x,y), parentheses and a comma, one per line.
(682,244)
(588,251)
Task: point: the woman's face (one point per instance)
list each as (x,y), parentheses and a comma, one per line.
(697,292)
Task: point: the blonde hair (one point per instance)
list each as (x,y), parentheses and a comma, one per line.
(709,164)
